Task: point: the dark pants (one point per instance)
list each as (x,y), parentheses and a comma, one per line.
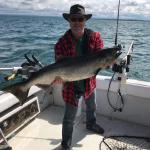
(69,118)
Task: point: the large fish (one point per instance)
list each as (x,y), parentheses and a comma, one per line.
(68,69)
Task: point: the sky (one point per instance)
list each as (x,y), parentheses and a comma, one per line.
(129,9)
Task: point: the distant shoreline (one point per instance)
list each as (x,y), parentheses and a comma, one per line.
(98,18)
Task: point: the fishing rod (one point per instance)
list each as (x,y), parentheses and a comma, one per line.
(116,37)
(114,68)
(121,67)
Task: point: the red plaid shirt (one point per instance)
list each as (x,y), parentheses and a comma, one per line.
(67,47)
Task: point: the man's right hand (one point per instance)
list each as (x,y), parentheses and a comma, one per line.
(57,80)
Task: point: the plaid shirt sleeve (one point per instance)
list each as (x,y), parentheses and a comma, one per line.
(95,42)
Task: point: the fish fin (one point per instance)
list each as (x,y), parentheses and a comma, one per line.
(49,86)
(97,71)
(43,86)
(46,87)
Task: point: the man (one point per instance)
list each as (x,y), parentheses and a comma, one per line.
(78,41)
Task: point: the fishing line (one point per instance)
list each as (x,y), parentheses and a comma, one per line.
(119,93)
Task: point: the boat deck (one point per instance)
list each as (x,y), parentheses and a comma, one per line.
(44,132)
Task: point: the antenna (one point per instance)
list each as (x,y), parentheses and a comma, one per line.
(116,38)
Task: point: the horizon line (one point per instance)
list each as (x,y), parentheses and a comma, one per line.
(101,18)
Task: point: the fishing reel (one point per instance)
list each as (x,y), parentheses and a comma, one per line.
(33,62)
(25,70)
(30,66)
(122,66)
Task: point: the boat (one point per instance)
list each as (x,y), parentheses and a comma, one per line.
(122,110)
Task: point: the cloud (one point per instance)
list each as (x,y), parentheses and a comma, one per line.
(136,8)
(99,8)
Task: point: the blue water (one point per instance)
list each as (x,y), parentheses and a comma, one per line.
(37,35)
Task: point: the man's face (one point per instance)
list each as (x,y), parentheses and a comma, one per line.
(77,25)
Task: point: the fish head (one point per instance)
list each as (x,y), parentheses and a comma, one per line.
(108,56)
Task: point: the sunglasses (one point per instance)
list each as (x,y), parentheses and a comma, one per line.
(77,19)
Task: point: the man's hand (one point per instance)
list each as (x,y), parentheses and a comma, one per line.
(57,80)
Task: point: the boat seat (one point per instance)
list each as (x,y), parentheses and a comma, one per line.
(7,102)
